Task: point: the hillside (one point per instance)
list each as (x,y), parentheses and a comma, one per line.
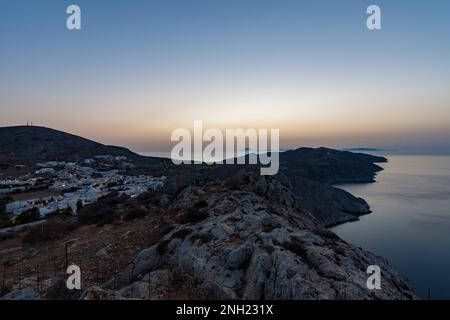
(310,172)
(331,166)
(220,231)
(41,144)
(225,240)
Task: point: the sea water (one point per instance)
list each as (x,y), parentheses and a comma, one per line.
(410,222)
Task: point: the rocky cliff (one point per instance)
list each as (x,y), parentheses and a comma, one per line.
(249,241)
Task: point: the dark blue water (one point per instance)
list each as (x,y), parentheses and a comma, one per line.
(410,222)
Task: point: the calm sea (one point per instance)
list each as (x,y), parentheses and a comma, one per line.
(410,222)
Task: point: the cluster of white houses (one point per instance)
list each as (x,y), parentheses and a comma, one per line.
(76,184)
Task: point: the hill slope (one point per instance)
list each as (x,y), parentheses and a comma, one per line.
(40,143)
(330,166)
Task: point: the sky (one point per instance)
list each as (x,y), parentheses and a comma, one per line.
(137,70)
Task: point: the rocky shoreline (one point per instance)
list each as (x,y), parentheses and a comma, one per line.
(242,238)
(251,243)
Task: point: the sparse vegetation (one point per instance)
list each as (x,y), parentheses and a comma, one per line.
(157,235)
(3,202)
(66,212)
(183,233)
(236,182)
(28,216)
(100,212)
(79,205)
(203,237)
(326,233)
(161,248)
(5,220)
(4,166)
(5,288)
(193,216)
(198,212)
(166,229)
(48,231)
(108,219)
(297,248)
(134,213)
(201,204)
(270,249)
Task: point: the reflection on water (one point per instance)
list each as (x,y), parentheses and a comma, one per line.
(410,222)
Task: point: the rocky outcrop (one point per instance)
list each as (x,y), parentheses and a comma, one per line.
(249,242)
(311,173)
(32,289)
(328,204)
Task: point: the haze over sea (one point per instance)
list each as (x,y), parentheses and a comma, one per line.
(410,222)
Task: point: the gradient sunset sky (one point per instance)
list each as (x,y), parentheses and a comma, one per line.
(139,69)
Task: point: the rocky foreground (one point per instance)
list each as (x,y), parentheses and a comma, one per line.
(243,238)
(250,243)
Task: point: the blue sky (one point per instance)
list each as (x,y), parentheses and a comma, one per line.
(139,69)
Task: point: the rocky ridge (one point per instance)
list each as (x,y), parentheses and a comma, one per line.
(250,242)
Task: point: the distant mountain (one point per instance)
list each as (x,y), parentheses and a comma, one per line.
(363,149)
(33,144)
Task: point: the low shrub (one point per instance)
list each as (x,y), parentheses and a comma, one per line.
(194,215)
(5,221)
(269,249)
(3,202)
(198,212)
(203,237)
(108,219)
(101,211)
(236,182)
(134,213)
(297,248)
(201,204)
(161,248)
(28,216)
(183,233)
(48,231)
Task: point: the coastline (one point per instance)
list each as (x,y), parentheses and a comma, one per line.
(225,231)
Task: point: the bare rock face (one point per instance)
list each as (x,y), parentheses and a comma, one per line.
(251,242)
(28,293)
(97,293)
(49,289)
